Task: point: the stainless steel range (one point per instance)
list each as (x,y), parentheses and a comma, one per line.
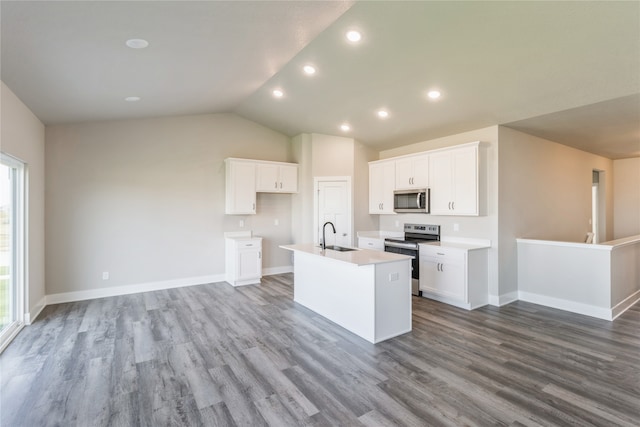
(414,234)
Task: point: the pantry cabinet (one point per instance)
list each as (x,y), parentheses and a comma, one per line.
(381,187)
(454,181)
(412,172)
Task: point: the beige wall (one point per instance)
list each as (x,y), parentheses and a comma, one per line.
(323,156)
(22,136)
(626,197)
(478,227)
(144,199)
(545,193)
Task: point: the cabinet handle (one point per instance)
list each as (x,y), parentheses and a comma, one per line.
(254,207)
(259,255)
(453,206)
(280,185)
(275,184)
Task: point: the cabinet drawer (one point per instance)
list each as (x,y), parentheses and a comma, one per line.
(371,243)
(443,254)
(249,244)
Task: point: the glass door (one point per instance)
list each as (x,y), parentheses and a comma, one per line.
(11,247)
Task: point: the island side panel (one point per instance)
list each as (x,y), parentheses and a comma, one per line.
(339,291)
(393,299)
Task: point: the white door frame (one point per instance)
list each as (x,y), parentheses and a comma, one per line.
(316,188)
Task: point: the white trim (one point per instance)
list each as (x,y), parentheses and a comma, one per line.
(504,299)
(600,247)
(562,304)
(277,270)
(146,287)
(625,304)
(132,289)
(10,334)
(19,251)
(36,310)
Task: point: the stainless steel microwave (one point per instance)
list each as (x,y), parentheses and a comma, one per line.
(411,201)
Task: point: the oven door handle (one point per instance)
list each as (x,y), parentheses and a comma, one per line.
(401,245)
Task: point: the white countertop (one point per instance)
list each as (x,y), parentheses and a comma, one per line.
(612,244)
(468,246)
(357,257)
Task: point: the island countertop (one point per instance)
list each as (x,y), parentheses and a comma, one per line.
(357,256)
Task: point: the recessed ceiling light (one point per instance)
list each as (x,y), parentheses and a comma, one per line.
(309,70)
(132,98)
(434,94)
(137,43)
(345,127)
(383,114)
(278,93)
(354,36)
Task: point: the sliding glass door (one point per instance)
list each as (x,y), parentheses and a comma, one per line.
(11,247)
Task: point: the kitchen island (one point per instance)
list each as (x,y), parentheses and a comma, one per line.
(366,292)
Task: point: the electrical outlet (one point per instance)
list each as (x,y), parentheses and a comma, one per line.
(241,223)
(105,275)
(276,222)
(397,224)
(456,227)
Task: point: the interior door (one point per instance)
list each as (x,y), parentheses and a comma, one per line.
(334,205)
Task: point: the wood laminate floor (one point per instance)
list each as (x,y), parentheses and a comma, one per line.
(216,355)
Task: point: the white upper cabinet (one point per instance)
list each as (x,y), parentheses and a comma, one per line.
(246,177)
(454,181)
(240,187)
(274,177)
(381,186)
(412,172)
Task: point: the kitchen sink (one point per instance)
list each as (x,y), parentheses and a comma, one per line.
(340,248)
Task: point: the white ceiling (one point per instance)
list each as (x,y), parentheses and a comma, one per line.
(565,71)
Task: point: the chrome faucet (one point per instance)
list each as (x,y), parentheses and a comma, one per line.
(324,242)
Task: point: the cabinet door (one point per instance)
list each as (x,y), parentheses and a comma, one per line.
(447,280)
(267,179)
(381,187)
(440,182)
(465,181)
(240,188)
(288,179)
(421,172)
(453,179)
(404,174)
(249,264)
(412,172)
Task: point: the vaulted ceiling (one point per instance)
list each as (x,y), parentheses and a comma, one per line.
(565,71)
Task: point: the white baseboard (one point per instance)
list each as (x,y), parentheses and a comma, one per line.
(145,287)
(277,270)
(131,289)
(625,304)
(35,311)
(562,304)
(504,299)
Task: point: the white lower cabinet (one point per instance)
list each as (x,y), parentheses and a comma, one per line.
(243,260)
(454,275)
(371,243)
